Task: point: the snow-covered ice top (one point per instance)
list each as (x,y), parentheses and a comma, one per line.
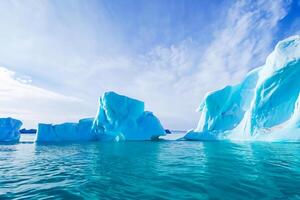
(119,118)
(123,118)
(265,106)
(9,129)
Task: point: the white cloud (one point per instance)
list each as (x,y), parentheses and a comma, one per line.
(171,79)
(32,104)
(244,41)
(174,79)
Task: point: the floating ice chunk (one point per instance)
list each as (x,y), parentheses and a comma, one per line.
(174,135)
(80,131)
(9,129)
(123,118)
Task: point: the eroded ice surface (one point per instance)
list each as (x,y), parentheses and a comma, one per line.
(9,129)
(265,106)
(123,118)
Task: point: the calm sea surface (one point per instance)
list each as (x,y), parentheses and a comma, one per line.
(150,170)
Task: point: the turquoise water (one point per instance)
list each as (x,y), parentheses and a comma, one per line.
(150,170)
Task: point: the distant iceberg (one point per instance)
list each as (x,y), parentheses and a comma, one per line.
(265,106)
(9,129)
(80,131)
(119,118)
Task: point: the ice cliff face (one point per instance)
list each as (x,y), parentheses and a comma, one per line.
(265,106)
(9,130)
(119,118)
(80,131)
(123,118)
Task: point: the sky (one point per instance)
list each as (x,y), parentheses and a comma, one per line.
(58,57)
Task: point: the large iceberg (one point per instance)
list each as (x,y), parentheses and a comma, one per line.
(123,118)
(9,129)
(119,118)
(264,106)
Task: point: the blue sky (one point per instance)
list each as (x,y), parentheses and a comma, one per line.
(58,57)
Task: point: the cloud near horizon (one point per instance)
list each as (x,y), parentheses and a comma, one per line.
(32,104)
(168,56)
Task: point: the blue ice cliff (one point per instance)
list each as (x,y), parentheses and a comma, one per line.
(123,118)
(264,106)
(9,130)
(119,118)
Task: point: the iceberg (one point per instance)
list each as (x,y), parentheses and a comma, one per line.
(123,118)
(264,106)
(118,118)
(80,131)
(9,129)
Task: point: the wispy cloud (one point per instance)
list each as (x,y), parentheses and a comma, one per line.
(242,43)
(83,51)
(175,78)
(32,104)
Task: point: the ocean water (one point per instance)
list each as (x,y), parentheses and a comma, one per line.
(150,170)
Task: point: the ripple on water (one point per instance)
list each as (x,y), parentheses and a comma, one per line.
(150,170)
